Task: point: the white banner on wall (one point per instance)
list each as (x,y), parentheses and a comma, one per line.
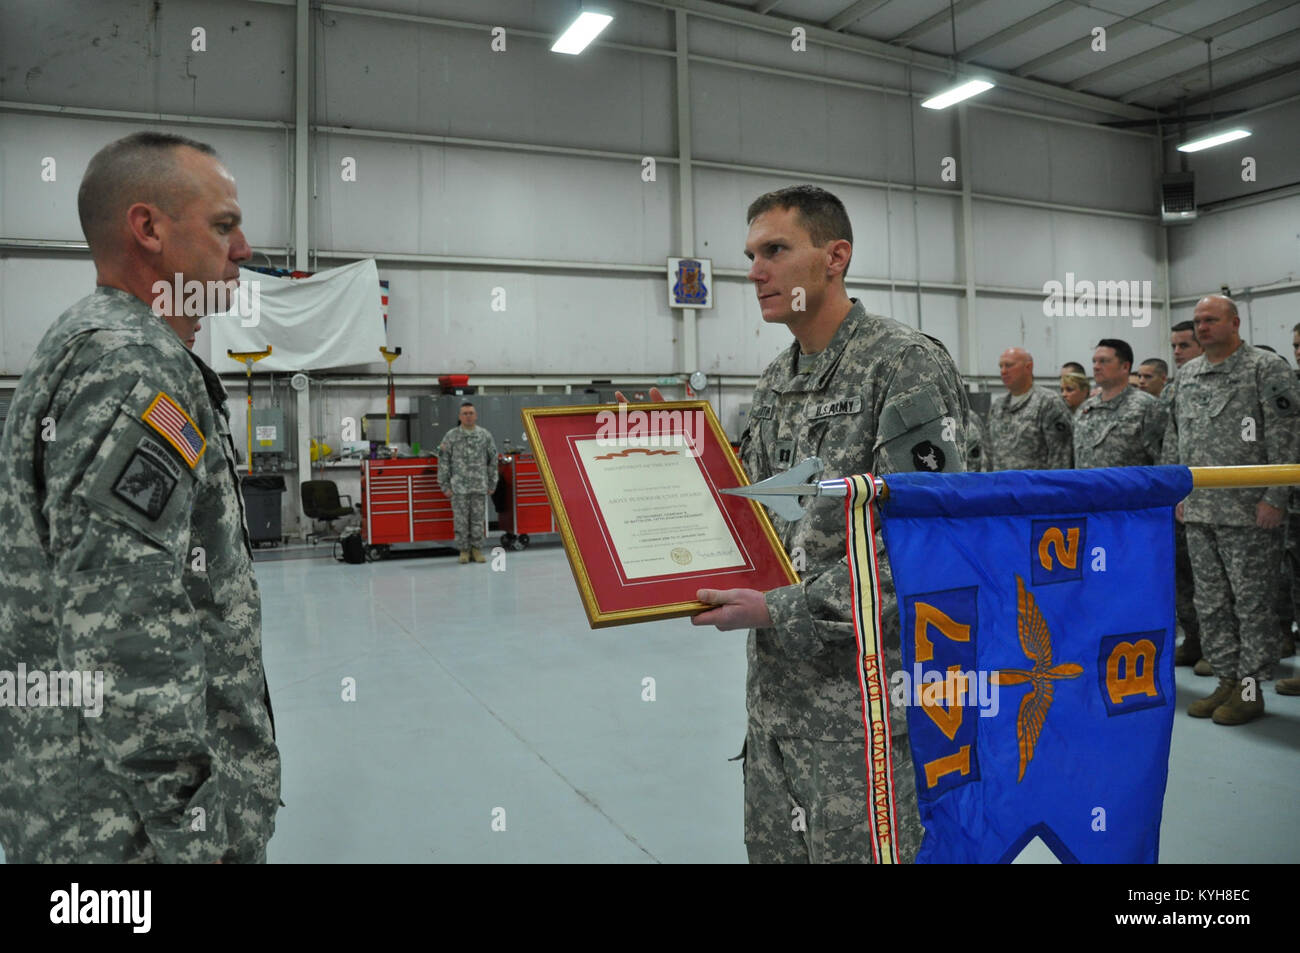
(334,318)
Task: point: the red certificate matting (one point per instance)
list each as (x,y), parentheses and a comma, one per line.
(631,575)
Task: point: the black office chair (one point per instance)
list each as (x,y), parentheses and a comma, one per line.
(320,501)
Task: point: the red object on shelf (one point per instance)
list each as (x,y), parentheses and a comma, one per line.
(401,502)
(453,380)
(529,511)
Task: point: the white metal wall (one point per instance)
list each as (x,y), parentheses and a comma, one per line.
(529,189)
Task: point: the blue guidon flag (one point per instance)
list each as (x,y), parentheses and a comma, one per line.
(1037,628)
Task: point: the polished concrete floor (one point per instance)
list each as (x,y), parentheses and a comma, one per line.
(484,697)
(490,724)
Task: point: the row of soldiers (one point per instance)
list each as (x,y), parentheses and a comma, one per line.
(1228,403)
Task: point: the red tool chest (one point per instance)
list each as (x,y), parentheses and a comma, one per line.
(401,502)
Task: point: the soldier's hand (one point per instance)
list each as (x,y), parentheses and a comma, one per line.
(736,609)
(447,494)
(1178,512)
(656,396)
(1267,516)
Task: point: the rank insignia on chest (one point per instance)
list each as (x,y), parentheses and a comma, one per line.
(177,427)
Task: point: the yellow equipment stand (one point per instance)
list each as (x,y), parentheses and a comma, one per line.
(247,358)
(390,407)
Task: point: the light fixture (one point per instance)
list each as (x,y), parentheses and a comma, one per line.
(581,32)
(1218,139)
(955,95)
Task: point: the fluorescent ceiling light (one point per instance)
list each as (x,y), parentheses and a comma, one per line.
(955,95)
(581,32)
(1218,139)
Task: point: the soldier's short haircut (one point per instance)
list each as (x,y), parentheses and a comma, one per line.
(141,167)
(1158,364)
(820,212)
(1121,349)
(1186,326)
(1296,328)
(467,403)
(1074,366)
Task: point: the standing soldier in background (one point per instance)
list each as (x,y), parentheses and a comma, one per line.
(125,550)
(1122,426)
(1234,405)
(467,473)
(1182,339)
(1153,373)
(1029,427)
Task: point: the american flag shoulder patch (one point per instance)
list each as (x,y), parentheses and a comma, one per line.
(170,419)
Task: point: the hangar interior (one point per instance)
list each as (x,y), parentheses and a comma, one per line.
(522,205)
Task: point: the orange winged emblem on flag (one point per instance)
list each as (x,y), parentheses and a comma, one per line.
(1036,642)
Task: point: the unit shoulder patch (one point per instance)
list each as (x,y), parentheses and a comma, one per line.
(147,481)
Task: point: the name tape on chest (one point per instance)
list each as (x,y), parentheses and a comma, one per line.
(834,408)
(177,428)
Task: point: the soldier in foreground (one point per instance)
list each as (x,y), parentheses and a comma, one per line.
(125,551)
(865,393)
(468,473)
(1233,405)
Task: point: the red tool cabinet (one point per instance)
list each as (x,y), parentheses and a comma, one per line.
(401,503)
(529,511)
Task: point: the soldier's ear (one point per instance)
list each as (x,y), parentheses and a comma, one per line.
(143,220)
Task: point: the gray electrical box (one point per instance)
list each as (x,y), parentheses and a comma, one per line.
(268,430)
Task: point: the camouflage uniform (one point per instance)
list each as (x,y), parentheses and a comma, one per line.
(1125,431)
(467,466)
(978,459)
(1030,432)
(1289,591)
(880,398)
(99,572)
(1184,585)
(1215,407)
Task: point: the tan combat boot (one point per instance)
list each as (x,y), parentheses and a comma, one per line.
(464,556)
(1288,686)
(1236,710)
(1202,667)
(476,556)
(1204,708)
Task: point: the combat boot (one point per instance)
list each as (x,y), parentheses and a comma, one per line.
(464,556)
(477,556)
(1288,686)
(1202,667)
(1205,707)
(1189,653)
(1236,710)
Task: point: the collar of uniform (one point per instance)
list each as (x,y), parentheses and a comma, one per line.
(129,299)
(1096,403)
(1226,366)
(216,389)
(816,378)
(1016,403)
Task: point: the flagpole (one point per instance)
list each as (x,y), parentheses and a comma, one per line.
(1210,478)
(1267,474)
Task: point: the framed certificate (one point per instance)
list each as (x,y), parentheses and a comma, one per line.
(635,490)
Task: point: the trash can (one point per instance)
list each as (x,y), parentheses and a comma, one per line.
(262,507)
